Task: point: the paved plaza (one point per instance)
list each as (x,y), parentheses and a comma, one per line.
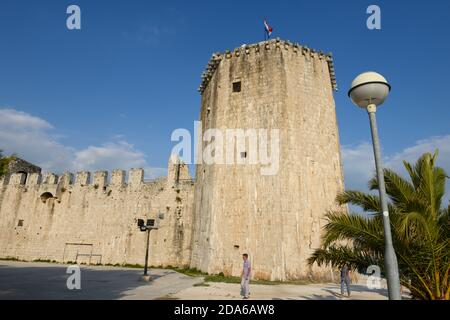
(21,280)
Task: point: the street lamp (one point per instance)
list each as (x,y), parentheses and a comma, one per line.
(147,227)
(368,91)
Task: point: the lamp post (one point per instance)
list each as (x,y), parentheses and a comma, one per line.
(369,90)
(151,224)
(146,252)
(146,227)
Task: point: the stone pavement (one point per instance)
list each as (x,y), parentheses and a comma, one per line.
(327,291)
(21,280)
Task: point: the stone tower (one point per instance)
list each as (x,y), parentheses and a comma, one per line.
(276,218)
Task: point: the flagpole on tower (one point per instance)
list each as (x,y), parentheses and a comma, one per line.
(267,30)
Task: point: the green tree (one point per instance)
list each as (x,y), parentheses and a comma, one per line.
(4,161)
(420,229)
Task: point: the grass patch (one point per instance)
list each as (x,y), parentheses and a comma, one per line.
(192,272)
(187,271)
(118,265)
(44,261)
(269,282)
(9,259)
(228,279)
(201,284)
(134,266)
(166,297)
(221,278)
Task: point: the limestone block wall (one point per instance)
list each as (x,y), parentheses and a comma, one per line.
(68,218)
(276,219)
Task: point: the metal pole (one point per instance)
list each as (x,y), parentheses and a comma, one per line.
(390,259)
(146,252)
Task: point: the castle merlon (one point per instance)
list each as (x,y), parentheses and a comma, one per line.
(98,179)
(25,173)
(276,44)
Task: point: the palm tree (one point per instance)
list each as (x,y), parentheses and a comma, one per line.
(420,230)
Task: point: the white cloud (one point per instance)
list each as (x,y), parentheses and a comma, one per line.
(359,165)
(114,155)
(33,140)
(442,143)
(21,121)
(29,137)
(111,155)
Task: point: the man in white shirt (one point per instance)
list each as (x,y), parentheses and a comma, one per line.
(245,276)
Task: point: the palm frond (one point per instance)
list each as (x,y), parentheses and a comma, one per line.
(428,181)
(337,256)
(397,187)
(363,231)
(420,229)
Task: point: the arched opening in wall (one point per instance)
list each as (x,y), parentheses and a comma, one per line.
(45,196)
(23,180)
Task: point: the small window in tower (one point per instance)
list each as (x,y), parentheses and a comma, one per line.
(244,154)
(237,86)
(20,224)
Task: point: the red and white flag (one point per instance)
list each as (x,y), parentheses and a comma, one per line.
(268,28)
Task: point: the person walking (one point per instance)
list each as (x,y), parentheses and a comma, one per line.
(245,276)
(345,279)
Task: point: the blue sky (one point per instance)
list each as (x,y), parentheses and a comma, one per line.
(111,93)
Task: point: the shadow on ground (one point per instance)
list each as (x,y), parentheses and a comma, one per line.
(333,293)
(24,281)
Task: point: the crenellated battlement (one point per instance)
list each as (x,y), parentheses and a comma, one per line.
(99,179)
(92,216)
(177,172)
(274,44)
(81,179)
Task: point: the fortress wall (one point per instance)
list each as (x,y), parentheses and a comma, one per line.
(53,218)
(277,219)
